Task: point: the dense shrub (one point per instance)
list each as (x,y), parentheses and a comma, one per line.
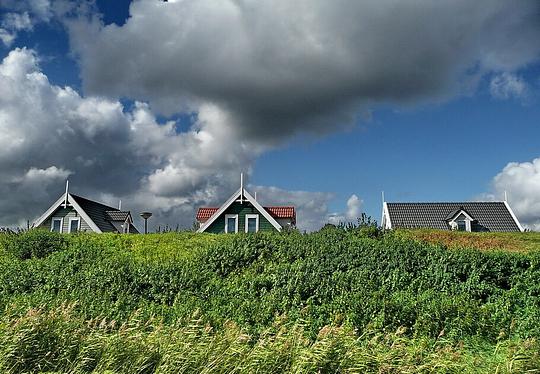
(371,282)
(33,243)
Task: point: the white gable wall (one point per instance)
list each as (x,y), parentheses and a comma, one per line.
(65,213)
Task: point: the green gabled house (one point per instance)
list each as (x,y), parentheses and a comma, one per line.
(242,213)
(72,213)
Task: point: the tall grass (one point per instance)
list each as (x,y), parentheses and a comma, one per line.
(340,300)
(58,341)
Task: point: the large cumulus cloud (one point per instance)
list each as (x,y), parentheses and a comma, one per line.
(280,67)
(49,133)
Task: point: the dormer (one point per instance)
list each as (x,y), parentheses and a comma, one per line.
(460,220)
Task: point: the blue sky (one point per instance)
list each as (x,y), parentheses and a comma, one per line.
(441,144)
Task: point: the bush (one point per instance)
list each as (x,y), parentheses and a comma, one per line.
(34,244)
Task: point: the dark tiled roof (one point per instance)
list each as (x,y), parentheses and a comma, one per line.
(490,216)
(203,214)
(116,215)
(101,214)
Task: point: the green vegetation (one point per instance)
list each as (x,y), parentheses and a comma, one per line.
(339,300)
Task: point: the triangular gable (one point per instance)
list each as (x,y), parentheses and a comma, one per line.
(456,213)
(231,200)
(75,206)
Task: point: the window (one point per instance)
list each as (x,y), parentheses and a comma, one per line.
(252,222)
(74,224)
(461,225)
(231,223)
(56,224)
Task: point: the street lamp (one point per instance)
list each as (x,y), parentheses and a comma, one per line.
(145,216)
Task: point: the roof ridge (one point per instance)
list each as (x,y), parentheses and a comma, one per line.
(94,202)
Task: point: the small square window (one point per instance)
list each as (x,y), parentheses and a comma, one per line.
(56,225)
(231,223)
(74,224)
(252,222)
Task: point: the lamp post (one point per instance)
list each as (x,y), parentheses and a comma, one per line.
(145,216)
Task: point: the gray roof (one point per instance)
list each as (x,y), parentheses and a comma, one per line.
(488,216)
(102,215)
(117,215)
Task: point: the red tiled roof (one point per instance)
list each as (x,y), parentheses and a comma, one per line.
(281,211)
(203,214)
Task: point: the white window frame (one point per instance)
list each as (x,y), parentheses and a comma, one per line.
(235,216)
(468,221)
(126,225)
(71,219)
(248,216)
(61,224)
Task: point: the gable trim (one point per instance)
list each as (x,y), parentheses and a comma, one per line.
(83,214)
(386,217)
(49,211)
(513,216)
(458,213)
(75,206)
(240,193)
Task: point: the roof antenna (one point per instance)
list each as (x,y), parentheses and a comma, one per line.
(241,188)
(505,196)
(119,204)
(66,195)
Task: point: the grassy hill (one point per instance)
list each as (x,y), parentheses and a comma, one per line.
(339,300)
(519,242)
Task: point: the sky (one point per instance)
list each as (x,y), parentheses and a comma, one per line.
(322,105)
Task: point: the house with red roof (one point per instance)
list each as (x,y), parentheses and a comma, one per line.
(242,213)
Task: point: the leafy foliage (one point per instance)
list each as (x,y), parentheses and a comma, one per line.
(33,243)
(355,279)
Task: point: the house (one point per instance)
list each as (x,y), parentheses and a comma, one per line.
(462,216)
(72,213)
(242,213)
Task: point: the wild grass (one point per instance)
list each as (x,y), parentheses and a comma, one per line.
(350,300)
(58,341)
(518,242)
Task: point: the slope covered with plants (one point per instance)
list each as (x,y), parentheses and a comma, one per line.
(342,299)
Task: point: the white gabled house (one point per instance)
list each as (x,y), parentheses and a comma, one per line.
(72,213)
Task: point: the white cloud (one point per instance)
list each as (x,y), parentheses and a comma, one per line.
(352,213)
(522,183)
(21,15)
(17,21)
(312,210)
(506,86)
(11,24)
(7,37)
(49,132)
(311,207)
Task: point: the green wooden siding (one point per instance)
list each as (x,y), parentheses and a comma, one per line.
(65,214)
(218,226)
